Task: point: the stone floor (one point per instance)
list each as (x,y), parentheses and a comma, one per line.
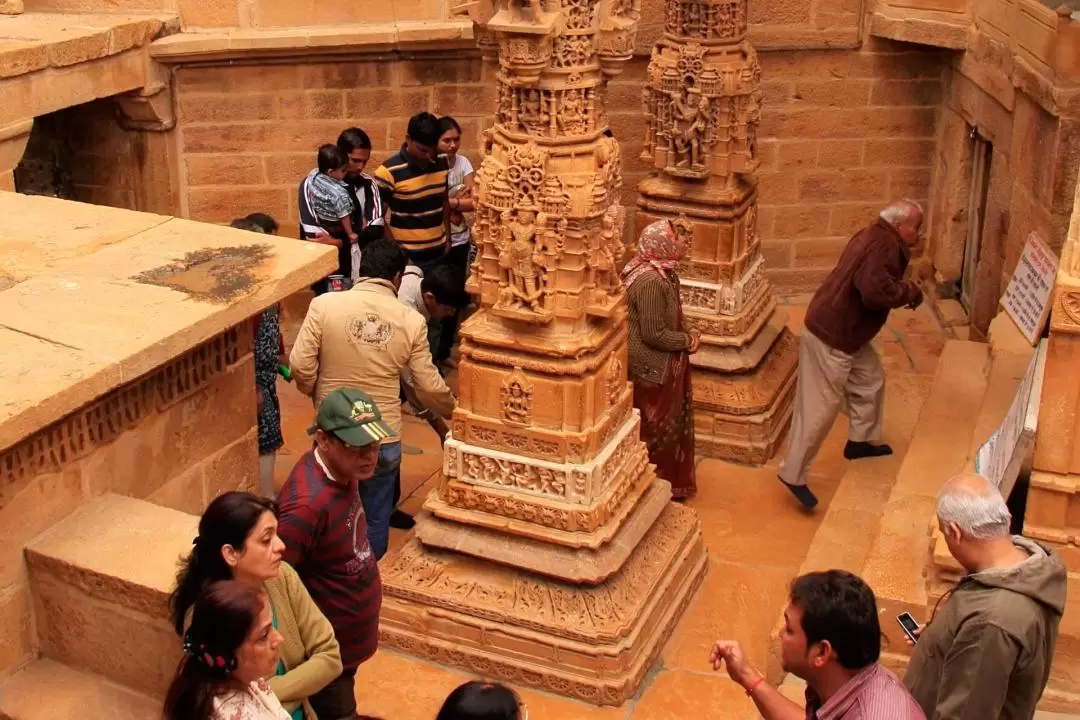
(756,538)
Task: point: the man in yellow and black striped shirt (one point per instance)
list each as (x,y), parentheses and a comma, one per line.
(413,185)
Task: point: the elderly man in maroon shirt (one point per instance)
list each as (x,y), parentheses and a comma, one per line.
(837,364)
(831,639)
(323,526)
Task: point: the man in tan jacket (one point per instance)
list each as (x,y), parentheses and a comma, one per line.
(364,338)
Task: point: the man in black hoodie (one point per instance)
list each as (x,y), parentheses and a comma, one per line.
(987,652)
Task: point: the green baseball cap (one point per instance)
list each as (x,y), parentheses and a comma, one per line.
(353,417)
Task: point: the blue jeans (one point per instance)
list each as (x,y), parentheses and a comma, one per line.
(377,496)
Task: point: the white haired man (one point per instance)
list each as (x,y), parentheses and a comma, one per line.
(986,653)
(837,364)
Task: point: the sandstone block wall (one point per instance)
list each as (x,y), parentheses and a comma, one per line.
(1033,172)
(842,133)
(177,437)
(249,134)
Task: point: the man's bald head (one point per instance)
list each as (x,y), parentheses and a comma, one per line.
(975,506)
(906,216)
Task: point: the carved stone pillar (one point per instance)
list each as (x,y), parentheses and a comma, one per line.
(550,554)
(702,104)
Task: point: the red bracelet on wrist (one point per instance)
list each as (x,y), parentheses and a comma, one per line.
(754,685)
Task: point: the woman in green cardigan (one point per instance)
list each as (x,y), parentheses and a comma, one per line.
(238,541)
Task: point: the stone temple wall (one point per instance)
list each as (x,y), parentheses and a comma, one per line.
(1033,171)
(849,120)
(178,437)
(842,132)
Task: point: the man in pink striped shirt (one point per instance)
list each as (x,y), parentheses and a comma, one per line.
(831,639)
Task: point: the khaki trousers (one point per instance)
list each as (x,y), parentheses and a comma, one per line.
(830,381)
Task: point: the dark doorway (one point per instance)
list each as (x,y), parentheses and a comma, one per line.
(981,151)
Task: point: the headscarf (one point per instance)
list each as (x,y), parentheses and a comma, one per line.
(659,250)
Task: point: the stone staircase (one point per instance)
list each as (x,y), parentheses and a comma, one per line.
(100,580)
(879,523)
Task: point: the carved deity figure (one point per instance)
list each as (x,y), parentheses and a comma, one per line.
(572,112)
(473,467)
(521,259)
(607,275)
(532,114)
(551,484)
(650,122)
(517,403)
(692,115)
(693,20)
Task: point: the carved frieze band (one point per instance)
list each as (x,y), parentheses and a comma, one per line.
(490,507)
(578,484)
(730,326)
(538,443)
(102,421)
(727,299)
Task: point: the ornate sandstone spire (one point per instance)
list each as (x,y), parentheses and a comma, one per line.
(550,554)
(702,103)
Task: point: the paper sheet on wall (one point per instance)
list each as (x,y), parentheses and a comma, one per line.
(1027,298)
(1000,458)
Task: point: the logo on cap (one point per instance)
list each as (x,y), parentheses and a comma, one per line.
(362,412)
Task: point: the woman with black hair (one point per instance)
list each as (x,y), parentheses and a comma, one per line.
(228,651)
(478,700)
(238,541)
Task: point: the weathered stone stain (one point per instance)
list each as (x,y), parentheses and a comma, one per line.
(217,275)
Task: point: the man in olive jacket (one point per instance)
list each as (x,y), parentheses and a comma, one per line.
(987,652)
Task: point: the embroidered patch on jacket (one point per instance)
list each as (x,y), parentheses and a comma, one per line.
(370,329)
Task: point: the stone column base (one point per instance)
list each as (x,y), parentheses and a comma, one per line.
(592,643)
(742,417)
(574,564)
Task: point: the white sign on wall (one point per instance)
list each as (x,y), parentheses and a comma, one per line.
(1001,457)
(1027,299)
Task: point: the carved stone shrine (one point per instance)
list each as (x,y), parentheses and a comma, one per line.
(702,104)
(549,554)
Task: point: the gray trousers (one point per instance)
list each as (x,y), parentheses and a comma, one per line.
(830,381)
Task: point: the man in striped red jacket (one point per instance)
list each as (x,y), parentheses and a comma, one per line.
(323,526)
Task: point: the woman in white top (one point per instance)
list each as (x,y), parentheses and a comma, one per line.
(229,651)
(461,182)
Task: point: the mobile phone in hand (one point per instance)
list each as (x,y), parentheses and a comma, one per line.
(908,625)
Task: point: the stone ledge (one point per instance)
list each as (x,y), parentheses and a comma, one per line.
(90,263)
(800,37)
(48,690)
(307,41)
(951,34)
(35,41)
